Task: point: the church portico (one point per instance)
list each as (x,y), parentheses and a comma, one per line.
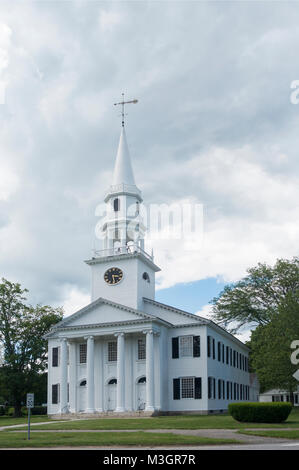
(101,372)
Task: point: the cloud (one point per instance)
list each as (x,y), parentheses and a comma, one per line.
(214,125)
(73,299)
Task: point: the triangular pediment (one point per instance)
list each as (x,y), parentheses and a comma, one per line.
(102,311)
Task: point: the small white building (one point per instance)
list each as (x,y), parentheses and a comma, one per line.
(279,395)
(126,352)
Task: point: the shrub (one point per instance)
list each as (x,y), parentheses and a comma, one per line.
(260,412)
(10,411)
(39,410)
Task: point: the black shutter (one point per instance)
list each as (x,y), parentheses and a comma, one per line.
(196,346)
(176,389)
(209,346)
(209,387)
(213,348)
(175,348)
(197,387)
(219,351)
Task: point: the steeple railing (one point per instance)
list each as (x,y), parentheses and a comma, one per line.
(123,188)
(122,250)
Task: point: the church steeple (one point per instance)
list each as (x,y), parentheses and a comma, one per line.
(122,261)
(123,172)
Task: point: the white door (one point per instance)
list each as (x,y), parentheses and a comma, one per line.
(111,397)
(141,394)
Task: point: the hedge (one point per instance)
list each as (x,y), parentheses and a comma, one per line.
(260,412)
(37,410)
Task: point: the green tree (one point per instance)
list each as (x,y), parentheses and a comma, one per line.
(270,347)
(256,299)
(22,328)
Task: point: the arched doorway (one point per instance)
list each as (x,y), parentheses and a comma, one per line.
(82,395)
(111,394)
(141,393)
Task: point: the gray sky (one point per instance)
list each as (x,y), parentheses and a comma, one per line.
(214,124)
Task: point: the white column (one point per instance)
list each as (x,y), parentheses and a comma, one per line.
(102,377)
(98,377)
(120,390)
(90,375)
(63,376)
(73,376)
(150,376)
(160,373)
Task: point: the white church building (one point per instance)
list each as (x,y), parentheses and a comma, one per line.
(126,353)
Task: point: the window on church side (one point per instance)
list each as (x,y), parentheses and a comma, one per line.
(112,351)
(187,384)
(82,353)
(141,349)
(186,346)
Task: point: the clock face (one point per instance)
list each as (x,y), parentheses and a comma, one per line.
(113,276)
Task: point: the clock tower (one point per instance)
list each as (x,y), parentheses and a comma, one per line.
(122,271)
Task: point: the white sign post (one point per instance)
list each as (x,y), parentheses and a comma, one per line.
(29,405)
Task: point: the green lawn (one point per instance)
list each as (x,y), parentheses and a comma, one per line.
(43,439)
(10,421)
(280,433)
(168,422)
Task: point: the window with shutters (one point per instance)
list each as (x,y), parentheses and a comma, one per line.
(141,349)
(187,387)
(112,351)
(82,353)
(186,346)
(55,357)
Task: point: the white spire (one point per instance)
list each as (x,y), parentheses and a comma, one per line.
(123,173)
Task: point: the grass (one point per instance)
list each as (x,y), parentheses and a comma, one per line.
(11,439)
(10,421)
(278,433)
(168,422)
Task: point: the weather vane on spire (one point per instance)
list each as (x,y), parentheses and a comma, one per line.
(123,102)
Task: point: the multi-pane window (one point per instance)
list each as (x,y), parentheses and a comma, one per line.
(82,353)
(187,384)
(141,349)
(55,357)
(112,351)
(186,346)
